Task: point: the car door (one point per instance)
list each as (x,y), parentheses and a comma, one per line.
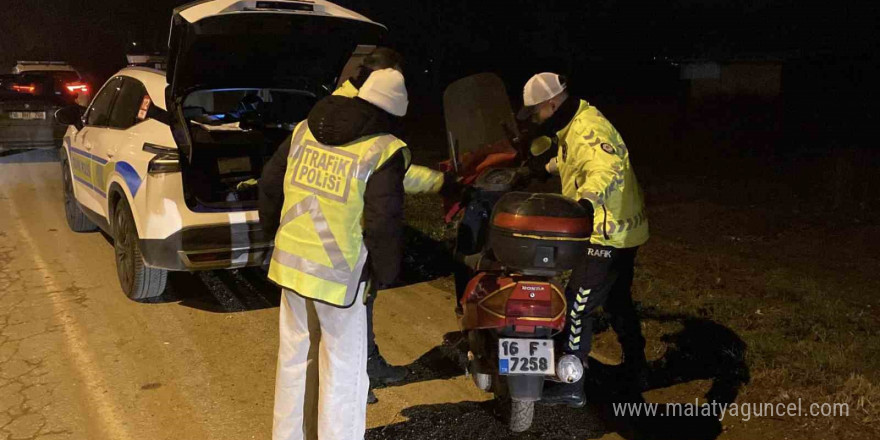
(114,144)
(84,163)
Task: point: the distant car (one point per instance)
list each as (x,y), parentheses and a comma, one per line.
(161,162)
(69,84)
(28,99)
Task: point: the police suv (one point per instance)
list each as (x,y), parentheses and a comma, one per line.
(165,162)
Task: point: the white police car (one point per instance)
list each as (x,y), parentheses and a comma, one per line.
(161,161)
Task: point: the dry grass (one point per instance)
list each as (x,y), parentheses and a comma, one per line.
(863,398)
(811,329)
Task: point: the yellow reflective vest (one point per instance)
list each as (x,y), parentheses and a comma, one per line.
(418,179)
(347,89)
(593,163)
(319,248)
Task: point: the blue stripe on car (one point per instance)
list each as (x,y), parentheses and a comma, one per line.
(99,160)
(89,155)
(90,186)
(80,152)
(130,175)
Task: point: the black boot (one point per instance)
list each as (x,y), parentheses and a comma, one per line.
(559,393)
(635,370)
(383,374)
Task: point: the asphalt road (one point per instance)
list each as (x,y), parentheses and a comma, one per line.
(79,360)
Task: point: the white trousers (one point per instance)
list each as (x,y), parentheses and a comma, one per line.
(342,366)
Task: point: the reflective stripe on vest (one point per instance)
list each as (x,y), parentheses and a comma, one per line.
(621,225)
(293,262)
(340,272)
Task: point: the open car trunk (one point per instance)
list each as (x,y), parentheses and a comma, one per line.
(241,75)
(232,135)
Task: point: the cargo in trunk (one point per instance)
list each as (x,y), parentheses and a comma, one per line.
(233,134)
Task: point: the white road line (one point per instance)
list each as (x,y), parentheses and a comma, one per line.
(77,347)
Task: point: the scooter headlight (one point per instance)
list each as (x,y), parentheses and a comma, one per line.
(569,368)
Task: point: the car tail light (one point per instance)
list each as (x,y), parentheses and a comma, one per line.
(166,161)
(30,88)
(75,88)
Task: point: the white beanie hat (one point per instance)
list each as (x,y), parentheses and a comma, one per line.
(386,89)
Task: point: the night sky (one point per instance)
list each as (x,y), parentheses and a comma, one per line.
(474,35)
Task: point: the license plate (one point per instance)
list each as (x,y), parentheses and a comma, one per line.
(526,357)
(27,115)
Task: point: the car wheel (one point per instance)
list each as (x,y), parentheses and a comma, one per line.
(138,281)
(76,218)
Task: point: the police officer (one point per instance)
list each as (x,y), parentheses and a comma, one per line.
(588,153)
(340,230)
(418,180)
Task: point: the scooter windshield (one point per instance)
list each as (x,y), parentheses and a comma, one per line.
(479,124)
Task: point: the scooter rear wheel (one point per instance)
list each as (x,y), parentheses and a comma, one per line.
(521,415)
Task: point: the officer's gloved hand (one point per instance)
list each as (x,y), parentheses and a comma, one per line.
(248,188)
(537,166)
(247,184)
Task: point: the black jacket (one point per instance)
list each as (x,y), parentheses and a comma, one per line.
(335,121)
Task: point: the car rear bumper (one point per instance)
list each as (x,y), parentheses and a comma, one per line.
(28,135)
(209,247)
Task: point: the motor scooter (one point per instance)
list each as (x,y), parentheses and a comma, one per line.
(512,247)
